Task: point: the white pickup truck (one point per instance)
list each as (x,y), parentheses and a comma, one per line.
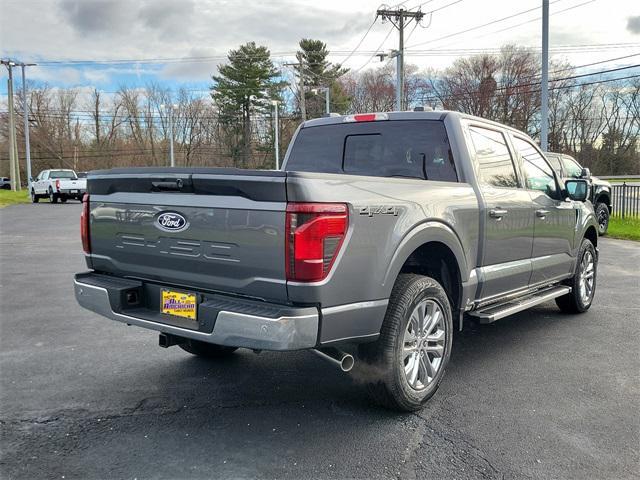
(58,184)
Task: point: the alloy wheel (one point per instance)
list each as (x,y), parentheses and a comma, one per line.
(587,277)
(423,344)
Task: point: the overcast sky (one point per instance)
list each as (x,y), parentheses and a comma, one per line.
(47,30)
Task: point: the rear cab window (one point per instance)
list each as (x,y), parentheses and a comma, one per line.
(397,148)
(61,174)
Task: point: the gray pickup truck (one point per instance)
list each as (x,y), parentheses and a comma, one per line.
(380,234)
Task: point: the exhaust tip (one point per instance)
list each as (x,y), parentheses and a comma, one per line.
(347,363)
(339,358)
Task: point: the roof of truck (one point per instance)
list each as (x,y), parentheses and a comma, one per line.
(403,115)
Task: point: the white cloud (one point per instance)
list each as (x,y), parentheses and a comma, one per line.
(33,30)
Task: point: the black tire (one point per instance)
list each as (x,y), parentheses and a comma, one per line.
(206,350)
(576,301)
(602,216)
(63,199)
(34,198)
(53,198)
(387,380)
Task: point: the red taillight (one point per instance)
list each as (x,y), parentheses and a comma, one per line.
(58,185)
(84,224)
(315,232)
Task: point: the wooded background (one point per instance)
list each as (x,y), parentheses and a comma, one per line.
(594,117)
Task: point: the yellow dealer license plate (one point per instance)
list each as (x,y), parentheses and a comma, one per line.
(179,304)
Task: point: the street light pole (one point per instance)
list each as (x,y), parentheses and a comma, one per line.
(25,113)
(170,107)
(544,100)
(327,97)
(172,158)
(275,104)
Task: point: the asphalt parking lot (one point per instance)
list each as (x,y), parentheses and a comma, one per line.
(537,395)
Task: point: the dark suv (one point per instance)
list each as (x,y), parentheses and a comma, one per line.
(567,167)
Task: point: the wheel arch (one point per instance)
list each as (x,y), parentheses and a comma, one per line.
(591,234)
(432,249)
(604,197)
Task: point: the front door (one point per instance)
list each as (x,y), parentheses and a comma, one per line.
(555,219)
(506,217)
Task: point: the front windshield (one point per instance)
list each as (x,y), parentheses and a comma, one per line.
(62,174)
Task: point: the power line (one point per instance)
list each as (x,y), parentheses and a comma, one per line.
(521,24)
(375,52)
(360,42)
(557,87)
(480,26)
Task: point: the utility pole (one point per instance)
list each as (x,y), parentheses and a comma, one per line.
(25,113)
(544,100)
(276,104)
(13,150)
(400,19)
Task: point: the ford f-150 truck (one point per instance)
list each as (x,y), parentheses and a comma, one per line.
(380,233)
(58,184)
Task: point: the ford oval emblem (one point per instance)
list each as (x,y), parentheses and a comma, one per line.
(171,222)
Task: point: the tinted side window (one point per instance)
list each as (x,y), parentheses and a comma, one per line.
(402,148)
(493,157)
(539,173)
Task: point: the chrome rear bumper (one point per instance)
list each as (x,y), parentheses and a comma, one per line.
(294,331)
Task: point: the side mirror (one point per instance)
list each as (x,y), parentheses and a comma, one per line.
(586,173)
(577,189)
(31,179)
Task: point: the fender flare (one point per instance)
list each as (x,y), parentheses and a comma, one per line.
(429,231)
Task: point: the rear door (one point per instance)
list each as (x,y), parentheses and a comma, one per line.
(506,218)
(200,229)
(555,219)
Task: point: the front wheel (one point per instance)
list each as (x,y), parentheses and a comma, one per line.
(583,282)
(602,215)
(207,350)
(34,197)
(409,358)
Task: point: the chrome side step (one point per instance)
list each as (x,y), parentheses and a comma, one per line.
(496,312)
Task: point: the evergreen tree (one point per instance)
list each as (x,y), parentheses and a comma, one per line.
(317,71)
(246,84)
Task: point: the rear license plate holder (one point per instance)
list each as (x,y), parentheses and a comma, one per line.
(179,304)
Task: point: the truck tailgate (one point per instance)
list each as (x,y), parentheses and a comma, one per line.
(209,229)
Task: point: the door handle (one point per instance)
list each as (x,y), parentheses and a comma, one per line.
(497,212)
(542,213)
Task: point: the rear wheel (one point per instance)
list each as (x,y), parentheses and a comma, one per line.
(207,350)
(53,198)
(602,215)
(583,283)
(34,197)
(63,199)
(410,357)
